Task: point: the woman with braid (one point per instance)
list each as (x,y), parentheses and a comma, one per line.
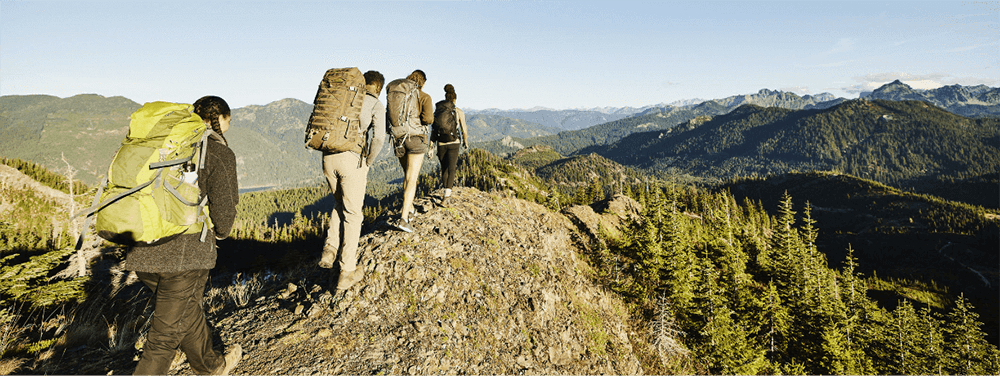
(449,132)
(177,270)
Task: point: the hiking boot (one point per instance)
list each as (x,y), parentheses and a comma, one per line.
(232,358)
(329,257)
(444,201)
(402,225)
(348,279)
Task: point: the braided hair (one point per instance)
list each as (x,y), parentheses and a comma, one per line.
(209,108)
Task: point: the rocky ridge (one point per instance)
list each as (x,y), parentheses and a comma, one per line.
(487,285)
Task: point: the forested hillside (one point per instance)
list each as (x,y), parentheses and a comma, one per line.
(86,128)
(741,291)
(269,148)
(487,127)
(267,139)
(560,120)
(663,117)
(569,142)
(915,239)
(913,145)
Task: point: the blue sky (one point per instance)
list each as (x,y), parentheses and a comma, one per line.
(497,54)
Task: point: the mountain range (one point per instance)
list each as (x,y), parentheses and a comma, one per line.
(662,117)
(88,128)
(909,144)
(972,101)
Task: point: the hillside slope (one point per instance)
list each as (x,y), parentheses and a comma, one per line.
(895,233)
(911,144)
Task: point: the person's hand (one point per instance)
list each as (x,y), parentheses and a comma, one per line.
(465,146)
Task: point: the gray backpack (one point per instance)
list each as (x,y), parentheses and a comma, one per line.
(403,109)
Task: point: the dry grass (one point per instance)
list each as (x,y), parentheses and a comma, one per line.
(9,366)
(243,288)
(111,324)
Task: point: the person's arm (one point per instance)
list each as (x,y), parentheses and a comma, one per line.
(426,109)
(222,189)
(461,124)
(377,128)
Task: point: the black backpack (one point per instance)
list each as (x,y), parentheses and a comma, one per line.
(445,122)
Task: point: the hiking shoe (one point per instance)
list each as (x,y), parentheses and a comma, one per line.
(402,225)
(232,358)
(444,201)
(326,262)
(328,258)
(348,279)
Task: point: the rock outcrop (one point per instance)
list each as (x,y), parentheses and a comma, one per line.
(604,218)
(487,285)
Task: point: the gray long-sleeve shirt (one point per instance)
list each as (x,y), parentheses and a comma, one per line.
(373,122)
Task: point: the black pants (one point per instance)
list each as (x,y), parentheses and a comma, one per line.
(178,322)
(448,154)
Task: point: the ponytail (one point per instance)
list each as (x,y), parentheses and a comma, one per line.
(449,93)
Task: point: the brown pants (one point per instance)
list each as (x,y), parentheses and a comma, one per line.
(178,322)
(347,182)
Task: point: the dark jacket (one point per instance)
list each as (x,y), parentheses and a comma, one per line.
(187,252)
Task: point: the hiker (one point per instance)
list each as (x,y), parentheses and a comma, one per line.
(177,270)
(411,146)
(347,174)
(449,133)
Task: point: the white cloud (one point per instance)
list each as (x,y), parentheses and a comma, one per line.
(963,49)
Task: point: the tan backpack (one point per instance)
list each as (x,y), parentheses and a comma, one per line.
(335,123)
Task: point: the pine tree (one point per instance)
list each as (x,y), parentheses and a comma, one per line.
(775,321)
(724,344)
(905,339)
(966,350)
(781,260)
(853,295)
(679,263)
(930,350)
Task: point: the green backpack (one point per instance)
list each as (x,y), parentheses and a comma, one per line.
(151,192)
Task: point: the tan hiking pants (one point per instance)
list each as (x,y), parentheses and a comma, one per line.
(348,182)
